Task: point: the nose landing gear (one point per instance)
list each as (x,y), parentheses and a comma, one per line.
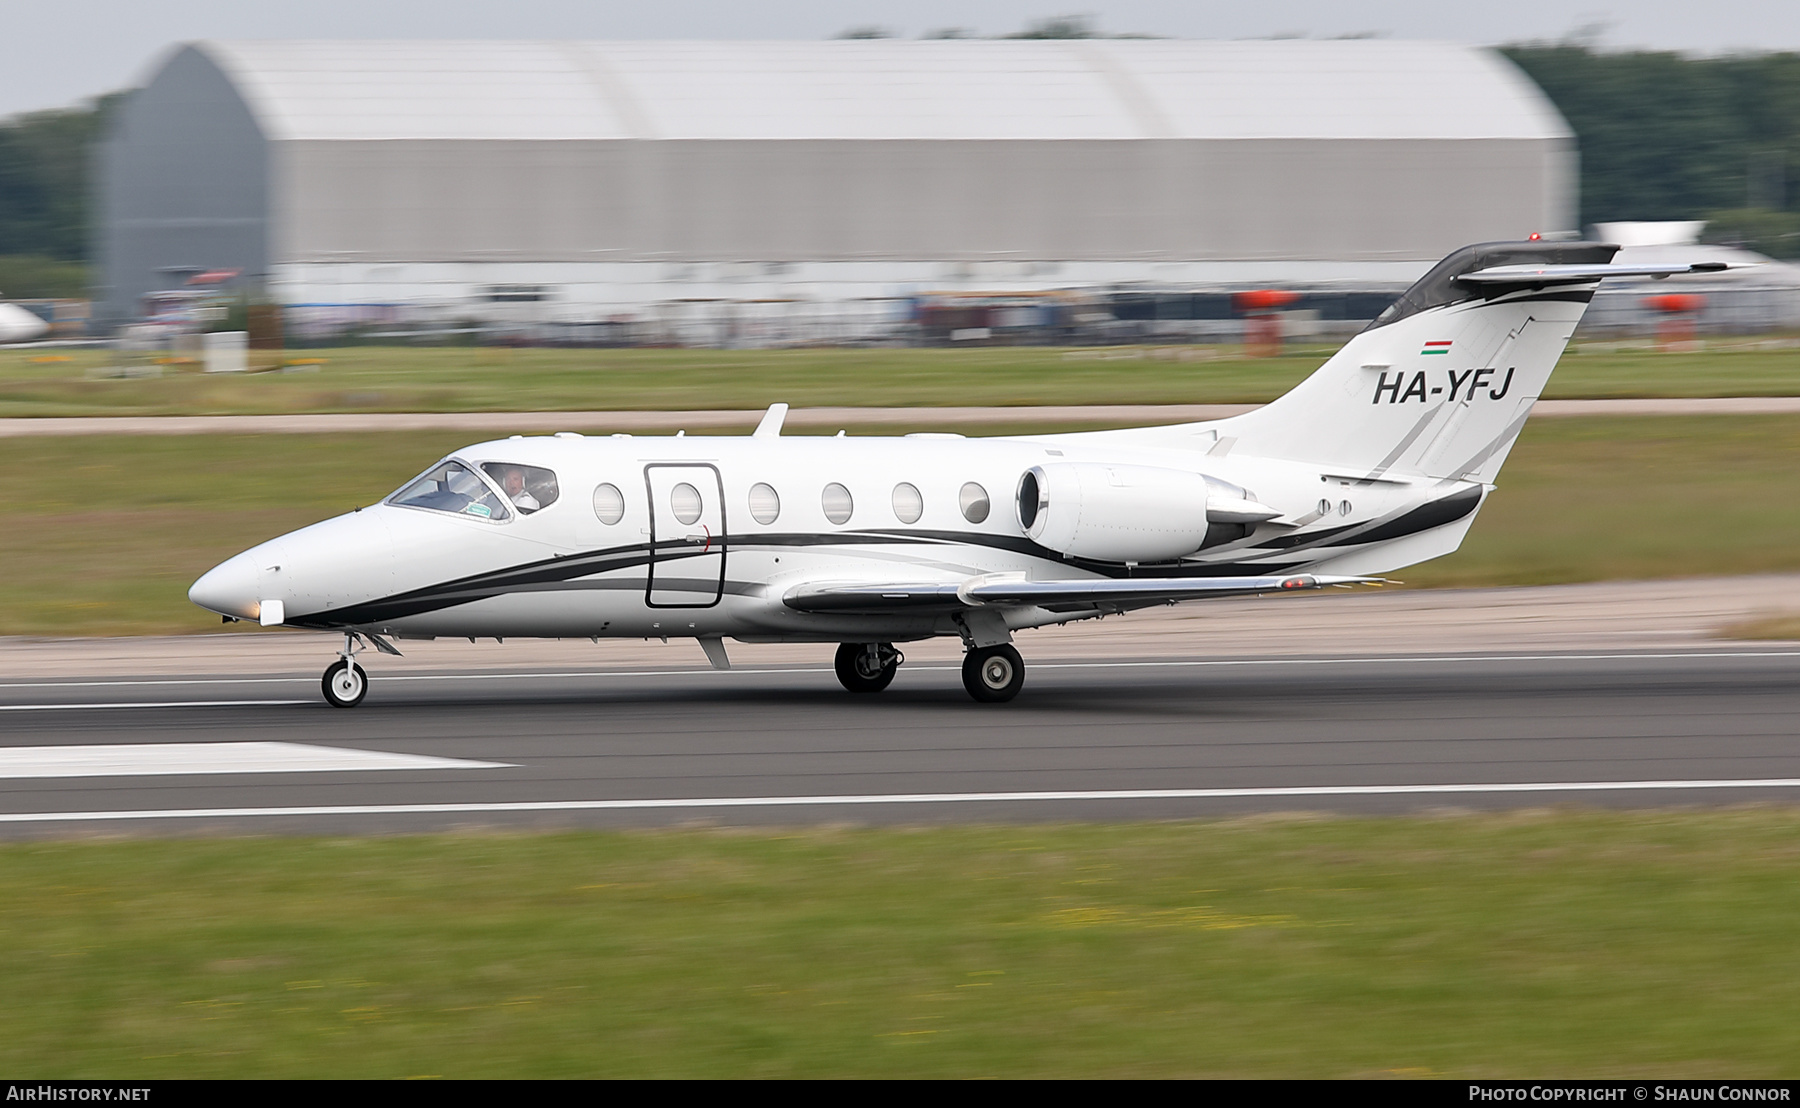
(867,667)
(345,683)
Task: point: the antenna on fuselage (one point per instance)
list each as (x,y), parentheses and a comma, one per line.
(770,427)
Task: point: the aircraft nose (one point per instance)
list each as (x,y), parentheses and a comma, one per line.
(229,588)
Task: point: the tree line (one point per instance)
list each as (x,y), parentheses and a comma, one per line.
(1661,136)
(46,198)
(1664,136)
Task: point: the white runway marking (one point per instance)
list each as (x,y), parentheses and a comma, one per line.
(150,759)
(77,705)
(1177,663)
(895,798)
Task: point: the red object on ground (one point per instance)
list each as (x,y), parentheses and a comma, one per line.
(1672,302)
(213,277)
(1262,330)
(1680,310)
(1263,300)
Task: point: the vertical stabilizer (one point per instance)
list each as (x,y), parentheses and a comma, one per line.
(1441,383)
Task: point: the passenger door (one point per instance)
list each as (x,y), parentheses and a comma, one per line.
(687,535)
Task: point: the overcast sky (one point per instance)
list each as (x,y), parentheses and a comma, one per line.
(55,53)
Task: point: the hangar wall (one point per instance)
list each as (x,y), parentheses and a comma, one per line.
(597,179)
(779,200)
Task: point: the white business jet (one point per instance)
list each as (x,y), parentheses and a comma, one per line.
(1378,460)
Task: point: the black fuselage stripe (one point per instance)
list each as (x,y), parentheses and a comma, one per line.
(537,575)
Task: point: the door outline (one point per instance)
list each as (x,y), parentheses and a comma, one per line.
(718,540)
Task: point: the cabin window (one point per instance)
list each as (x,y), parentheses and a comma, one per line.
(908,504)
(684,501)
(609,504)
(837,503)
(529,488)
(452,487)
(765,505)
(974,502)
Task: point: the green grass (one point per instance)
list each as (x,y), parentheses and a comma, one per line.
(1576,944)
(1613,498)
(104,534)
(500,379)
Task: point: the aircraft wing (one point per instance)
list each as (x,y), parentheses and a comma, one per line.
(1580,274)
(1132,592)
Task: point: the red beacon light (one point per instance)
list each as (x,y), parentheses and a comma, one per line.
(1535,237)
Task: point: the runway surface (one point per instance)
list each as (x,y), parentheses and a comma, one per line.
(782,744)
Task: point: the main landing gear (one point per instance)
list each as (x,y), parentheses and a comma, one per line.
(990,673)
(345,683)
(867,667)
(993,674)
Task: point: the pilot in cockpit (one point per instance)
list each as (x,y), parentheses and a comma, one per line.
(513,481)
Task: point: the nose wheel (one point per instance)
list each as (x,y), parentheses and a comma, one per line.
(867,667)
(993,674)
(345,684)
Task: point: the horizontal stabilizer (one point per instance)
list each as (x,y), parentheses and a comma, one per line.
(846,598)
(1579,274)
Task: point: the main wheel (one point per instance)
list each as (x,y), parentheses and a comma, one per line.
(993,674)
(862,670)
(345,684)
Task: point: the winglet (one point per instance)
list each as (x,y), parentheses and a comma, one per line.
(770,427)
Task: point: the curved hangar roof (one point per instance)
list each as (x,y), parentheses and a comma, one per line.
(884,89)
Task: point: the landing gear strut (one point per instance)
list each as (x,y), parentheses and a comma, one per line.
(345,684)
(867,667)
(993,674)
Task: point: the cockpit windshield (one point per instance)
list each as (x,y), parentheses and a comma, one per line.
(528,487)
(452,487)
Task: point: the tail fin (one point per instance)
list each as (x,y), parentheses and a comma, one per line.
(1441,383)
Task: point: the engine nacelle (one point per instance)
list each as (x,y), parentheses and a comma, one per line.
(1114,513)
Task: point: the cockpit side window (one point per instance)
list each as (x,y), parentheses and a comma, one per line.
(452,487)
(528,487)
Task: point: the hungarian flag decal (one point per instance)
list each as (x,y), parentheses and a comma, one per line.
(1442,347)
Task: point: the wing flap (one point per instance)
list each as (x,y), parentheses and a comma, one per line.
(1140,590)
(847,598)
(858,598)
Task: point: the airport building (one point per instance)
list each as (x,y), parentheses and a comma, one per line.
(742,192)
